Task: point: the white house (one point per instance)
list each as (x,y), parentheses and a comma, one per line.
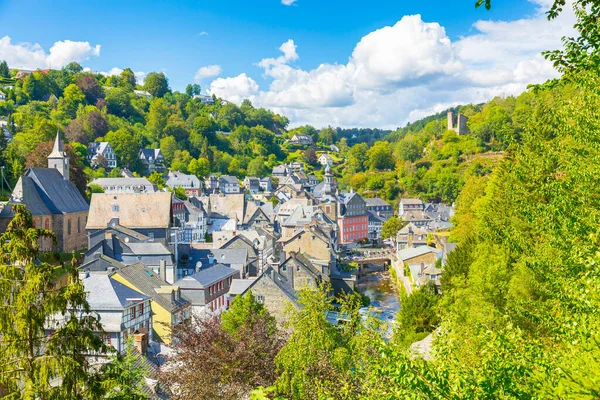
(229,185)
(325,159)
(101,150)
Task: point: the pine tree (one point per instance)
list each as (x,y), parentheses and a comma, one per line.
(4,71)
(45,326)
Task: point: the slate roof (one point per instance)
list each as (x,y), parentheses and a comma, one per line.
(148,210)
(279,282)
(100,263)
(150,248)
(176,179)
(206,277)
(150,154)
(230,179)
(231,205)
(149,283)
(45,191)
(123,182)
(376,202)
(239,286)
(411,201)
(105,293)
(411,252)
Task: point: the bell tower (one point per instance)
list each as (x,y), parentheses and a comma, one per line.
(58,158)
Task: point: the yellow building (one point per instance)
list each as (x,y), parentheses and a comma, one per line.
(169,306)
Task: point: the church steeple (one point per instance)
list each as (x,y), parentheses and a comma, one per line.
(329,187)
(58,158)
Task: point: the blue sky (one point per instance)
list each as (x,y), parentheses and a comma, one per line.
(322,40)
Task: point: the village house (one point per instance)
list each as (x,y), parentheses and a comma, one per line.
(281,171)
(375,226)
(211,184)
(252,184)
(380,207)
(53,201)
(325,159)
(152,159)
(149,214)
(208,288)
(409,205)
(353,220)
(299,272)
(266,184)
(272,290)
(101,155)
(417,255)
(301,140)
(190,183)
(125,185)
(204,99)
(122,311)
(229,185)
(142,93)
(411,235)
(196,221)
(169,307)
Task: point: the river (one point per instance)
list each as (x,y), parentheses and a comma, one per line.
(380,288)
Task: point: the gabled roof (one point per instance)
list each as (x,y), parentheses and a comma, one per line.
(273,276)
(148,210)
(149,283)
(45,191)
(411,201)
(231,205)
(239,286)
(230,179)
(176,178)
(412,252)
(150,248)
(105,293)
(206,277)
(375,202)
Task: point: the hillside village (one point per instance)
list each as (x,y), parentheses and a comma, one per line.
(151,261)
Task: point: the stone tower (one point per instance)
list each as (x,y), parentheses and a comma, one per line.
(58,158)
(458,124)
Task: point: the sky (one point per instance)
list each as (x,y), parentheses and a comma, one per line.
(347,63)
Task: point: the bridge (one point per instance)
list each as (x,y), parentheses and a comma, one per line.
(374,256)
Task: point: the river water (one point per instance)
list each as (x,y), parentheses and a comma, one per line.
(385,302)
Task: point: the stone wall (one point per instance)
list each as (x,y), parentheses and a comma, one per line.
(275,300)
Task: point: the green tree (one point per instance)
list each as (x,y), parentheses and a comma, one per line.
(257,167)
(119,103)
(157,117)
(157,179)
(168,146)
(156,84)
(125,146)
(310,156)
(409,149)
(72,98)
(391,227)
(243,313)
(72,68)
(199,167)
(33,302)
(379,156)
(4,71)
(357,158)
(124,376)
(193,89)
(127,80)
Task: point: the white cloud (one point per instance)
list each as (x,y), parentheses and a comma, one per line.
(33,56)
(208,71)
(203,33)
(235,89)
(140,76)
(288,2)
(406,71)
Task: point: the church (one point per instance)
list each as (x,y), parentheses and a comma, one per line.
(53,201)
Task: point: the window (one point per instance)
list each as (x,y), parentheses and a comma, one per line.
(47,224)
(68,227)
(260,299)
(132,313)
(115,207)
(105,338)
(142,309)
(78,224)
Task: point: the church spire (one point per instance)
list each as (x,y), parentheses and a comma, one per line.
(58,158)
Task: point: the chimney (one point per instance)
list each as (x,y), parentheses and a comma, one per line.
(172,296)
(140,341)
(162,270)
(422,268)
